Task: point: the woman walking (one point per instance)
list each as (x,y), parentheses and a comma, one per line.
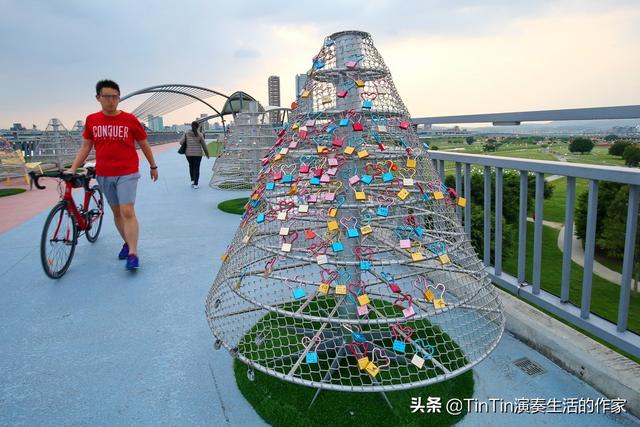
(194,150)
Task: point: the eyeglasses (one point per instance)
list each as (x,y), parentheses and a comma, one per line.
(110,97)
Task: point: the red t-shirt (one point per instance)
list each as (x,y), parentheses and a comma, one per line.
(114,140)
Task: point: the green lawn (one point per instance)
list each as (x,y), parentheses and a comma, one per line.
(604,294)
(214,148)
(553,209)
(5,192)
(233,206)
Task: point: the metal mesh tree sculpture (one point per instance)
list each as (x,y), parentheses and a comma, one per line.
(57,144)
(350,270)
(246,143)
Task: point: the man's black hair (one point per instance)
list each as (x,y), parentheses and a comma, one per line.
(106,83)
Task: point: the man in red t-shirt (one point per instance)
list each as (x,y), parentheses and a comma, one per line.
(114,133)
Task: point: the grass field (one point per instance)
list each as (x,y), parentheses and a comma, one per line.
(5,192)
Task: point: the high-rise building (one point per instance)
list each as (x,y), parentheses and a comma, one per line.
(274,97)
(155,123)
(301,80)
(204,125)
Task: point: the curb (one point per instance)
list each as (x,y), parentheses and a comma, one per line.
(607,371)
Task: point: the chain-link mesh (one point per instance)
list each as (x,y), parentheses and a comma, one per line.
(350,270)
(246,143)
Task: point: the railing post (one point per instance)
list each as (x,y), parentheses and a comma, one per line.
(628,258)
(467,195)
(522,227)
(487,216)
(537,233)
(498,250)
(568,239)
(442,171)
(589,247)
(459,187)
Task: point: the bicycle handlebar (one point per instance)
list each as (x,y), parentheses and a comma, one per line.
(63,176)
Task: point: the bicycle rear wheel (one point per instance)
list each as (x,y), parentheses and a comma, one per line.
(95,212)
(58,241)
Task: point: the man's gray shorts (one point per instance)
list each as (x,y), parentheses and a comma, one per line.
(119,190)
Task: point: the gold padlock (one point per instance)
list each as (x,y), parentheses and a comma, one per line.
(363,154)
(417,256)
(428,295)
(333,212)
(363,299)
(372,369)
(332,225)
(439,303)
(359,83)
(462,202)
(349,150)
(324,288)
(411,163)
(402,194)
(366,229)
(360,195)
(341,290)
(438,195)
(363,362)
(444,259)
(305,94)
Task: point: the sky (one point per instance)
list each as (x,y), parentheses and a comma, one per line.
(446,57)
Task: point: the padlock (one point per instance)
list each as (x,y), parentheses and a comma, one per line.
(351,64)
(402,194)
(349,150)
(366,179)
(366,229)
(405,243)
(444,259)
(360,195)
(359,83)
(399,346)
(438,195)
(417,256)
(260,218)
(329,197)
(284,152)
(395,288)
(363,299)
(408,312)
(407,182)
(322,259)
(462,202)
(287,179)
(357,127)
(354,180)
(312,357)
(419,231)
(372,369)
(411,163)
(363,362)
(324,288)
(341,93)
(439,303)
(363,154)
(381,128)
(417,361)
(331,128)
(332,212)
(286,247)
(352,232)
(282,215)
(304,168)
(341,290)
(428,295)
(367,104)
(343,122)
(320,149)
(326,99)
(270,186)
(332,225)
(314,181)
(305,94)
(337,142)
(303,208)
(284,231)
(337,247)
(404,125)
(382,211)
(309,234)
(298,293)
(365,265)
(387,176)
(362,310)
(294,144)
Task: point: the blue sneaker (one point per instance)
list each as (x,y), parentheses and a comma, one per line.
(124,252)
(132,262)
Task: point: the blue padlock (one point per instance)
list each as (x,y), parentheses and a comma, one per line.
(270,186)
(331,128)
(383,211)
(255,203)
(352,232)
(314,181)
(298,293)
(287,179)
(387,177)
(419,231)
(367,104)
(399,346)
(426,197)
(358,337)
(344,122)
(366,179)
(260,218)
(337,247)
(312,357)
(365,265)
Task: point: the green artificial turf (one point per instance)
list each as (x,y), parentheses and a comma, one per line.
(5,192)
(233,206)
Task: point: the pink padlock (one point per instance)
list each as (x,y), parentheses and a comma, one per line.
(405,244)
(294,143)
(333,161)
(332,171)
(325,178)
(354,179)
(330,197)
(363,310)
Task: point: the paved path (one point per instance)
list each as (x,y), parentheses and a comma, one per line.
(102,346)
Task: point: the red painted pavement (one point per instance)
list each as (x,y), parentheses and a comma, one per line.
(14,210)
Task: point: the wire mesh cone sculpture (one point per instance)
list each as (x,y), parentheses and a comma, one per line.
(57,144)
(246,143)
(350,270)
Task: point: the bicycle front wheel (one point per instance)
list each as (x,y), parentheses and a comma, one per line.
(58,242)
(95,212)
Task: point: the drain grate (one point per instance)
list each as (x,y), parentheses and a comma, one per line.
(529,367)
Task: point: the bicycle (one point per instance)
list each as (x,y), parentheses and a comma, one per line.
(66,222)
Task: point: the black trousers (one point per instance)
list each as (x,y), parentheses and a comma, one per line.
(194,168)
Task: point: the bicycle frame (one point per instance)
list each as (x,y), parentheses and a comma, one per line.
(71,205)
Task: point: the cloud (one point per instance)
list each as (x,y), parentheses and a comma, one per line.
(246,53)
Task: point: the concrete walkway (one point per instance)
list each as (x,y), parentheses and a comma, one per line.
(102,346)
